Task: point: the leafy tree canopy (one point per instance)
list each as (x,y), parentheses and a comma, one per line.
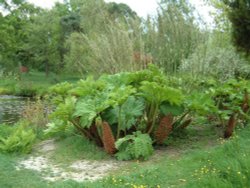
(121,9)
(239,15)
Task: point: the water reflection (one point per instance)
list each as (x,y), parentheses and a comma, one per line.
(11,108)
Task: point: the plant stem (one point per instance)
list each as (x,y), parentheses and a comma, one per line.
(83,131)
(155,112)
(119,124)
(182,117)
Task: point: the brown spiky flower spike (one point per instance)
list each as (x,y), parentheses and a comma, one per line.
(164,129)
(108,138)
(230,126)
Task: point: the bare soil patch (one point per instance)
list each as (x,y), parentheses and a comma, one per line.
(82,170)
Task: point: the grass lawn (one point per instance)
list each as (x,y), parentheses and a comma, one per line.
(32,83)
(197,159)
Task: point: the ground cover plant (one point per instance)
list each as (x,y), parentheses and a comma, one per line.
(17,139)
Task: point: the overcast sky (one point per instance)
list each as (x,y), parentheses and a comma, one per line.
(142,7)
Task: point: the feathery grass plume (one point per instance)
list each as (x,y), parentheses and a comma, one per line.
(164,129)
(108,139)
(36,113)
(230,126)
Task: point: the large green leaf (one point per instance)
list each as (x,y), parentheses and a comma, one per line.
(86,110)
(56,127)
(88,87)
(65,110)
(127,113)
(119,79)
(120,95)
(155,93)
(136,146)
(130,111)
(152,73)
(61,89)
(201,103)
(89,107)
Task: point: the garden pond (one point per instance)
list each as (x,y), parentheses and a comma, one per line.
(11,108)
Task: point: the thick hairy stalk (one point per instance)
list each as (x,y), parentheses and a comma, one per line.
(108,138)
(119,124)
(164,129)
(94,132)
(230,126)
(83,131)
(245,106)
(90,133)
(186,123)
(152,118)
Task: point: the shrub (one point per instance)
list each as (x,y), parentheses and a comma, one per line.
(221,63)
(25,89)
(4,91)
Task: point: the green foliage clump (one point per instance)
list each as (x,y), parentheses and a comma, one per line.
(136,146)
(61,89)
(4,91)
(127,113)
(25,89)
(18,139)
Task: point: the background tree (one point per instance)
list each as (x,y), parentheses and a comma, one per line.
(120,11)
(107,45)
(219,14)
(239,14)
(176,34)
(43,41)
(13,30)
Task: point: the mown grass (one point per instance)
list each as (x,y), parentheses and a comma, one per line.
(76,147)
(226,163)
(32,83)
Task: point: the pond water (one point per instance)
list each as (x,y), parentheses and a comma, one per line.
(11,108)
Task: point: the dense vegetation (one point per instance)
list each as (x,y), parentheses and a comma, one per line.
(128,112)
(138,85)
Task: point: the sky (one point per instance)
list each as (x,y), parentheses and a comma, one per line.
(142,7)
